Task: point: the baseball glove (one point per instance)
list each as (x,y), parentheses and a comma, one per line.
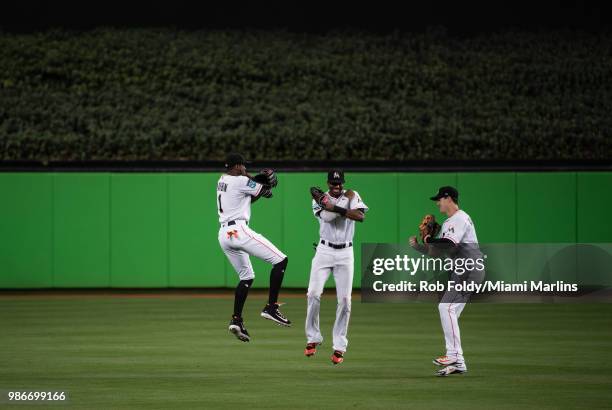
(319,196)
(266,177)
(429,227)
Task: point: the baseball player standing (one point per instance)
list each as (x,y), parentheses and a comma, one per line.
(337,210)
(457,239)
(236,191)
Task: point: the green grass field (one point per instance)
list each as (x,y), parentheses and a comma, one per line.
(175,352)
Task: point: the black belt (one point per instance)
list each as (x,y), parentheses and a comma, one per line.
(337,246)
(230,223)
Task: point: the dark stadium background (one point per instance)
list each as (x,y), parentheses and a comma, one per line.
(459,17)
(556,48)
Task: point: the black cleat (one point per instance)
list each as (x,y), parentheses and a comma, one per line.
(271,312)
(236,326)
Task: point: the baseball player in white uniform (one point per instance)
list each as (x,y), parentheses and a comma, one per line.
(457,238)
(337,210)
(236,191)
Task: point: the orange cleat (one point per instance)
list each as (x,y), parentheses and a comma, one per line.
(337,357)
(311,349)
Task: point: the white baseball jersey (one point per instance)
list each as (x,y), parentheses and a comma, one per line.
(234,195)
(459,228)
(339,230)
(237,240)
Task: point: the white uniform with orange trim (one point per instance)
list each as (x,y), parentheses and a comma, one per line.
(459,228)
(237,240)
(337,230)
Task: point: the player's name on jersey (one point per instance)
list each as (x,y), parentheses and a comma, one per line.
(484,287)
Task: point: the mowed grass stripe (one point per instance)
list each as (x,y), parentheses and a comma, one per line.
(177,353)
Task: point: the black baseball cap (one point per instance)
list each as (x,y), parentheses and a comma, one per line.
(335,175)
(445,192)
(235,159)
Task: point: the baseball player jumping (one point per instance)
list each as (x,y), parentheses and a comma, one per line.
(337,210)
(457,239)
(236,191)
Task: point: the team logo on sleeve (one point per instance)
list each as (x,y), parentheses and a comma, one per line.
(251,183)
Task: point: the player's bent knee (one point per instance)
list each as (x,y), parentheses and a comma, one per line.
(246,275)
(245,283)
(282,264)
(312,294)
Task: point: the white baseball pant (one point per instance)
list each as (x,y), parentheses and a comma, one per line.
(341,263)
(450,308)
(239,241)
(449,316)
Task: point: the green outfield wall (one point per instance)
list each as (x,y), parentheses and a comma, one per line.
(158,230)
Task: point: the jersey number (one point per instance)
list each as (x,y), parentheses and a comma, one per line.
(220,208)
